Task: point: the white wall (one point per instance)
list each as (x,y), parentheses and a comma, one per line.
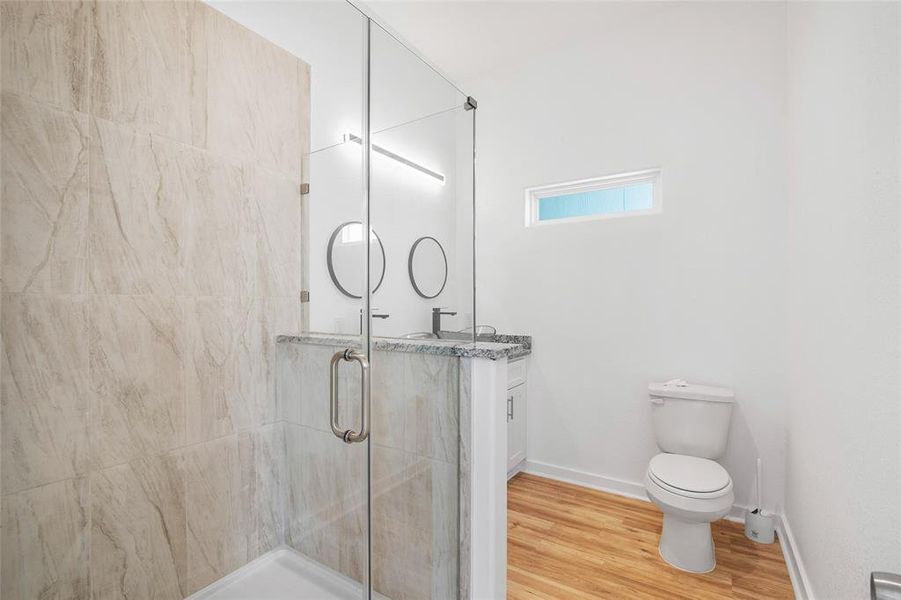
(844,452)
(695,292)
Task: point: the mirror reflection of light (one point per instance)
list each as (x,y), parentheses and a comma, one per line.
(353,232)
(433,175)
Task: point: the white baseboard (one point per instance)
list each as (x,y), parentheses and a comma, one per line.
(620,487)
(521,466)
(603,483)
(796,570)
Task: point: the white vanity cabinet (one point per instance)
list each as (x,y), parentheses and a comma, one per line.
(516,415)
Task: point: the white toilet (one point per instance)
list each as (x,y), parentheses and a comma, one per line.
(691,424)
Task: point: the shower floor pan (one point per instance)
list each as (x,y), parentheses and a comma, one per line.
(283,574)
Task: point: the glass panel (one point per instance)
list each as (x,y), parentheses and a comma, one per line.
(607,201)
(415,191)
(325,487)
(639,196)
(421,207)
(582,204)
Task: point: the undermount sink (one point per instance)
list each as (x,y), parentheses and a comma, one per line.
(420,335)
(481,330)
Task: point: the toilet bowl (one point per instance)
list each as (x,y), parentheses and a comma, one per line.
(691,492)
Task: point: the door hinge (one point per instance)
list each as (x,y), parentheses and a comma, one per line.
(304,189)
(304,296)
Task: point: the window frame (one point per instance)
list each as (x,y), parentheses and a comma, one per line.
(534,195)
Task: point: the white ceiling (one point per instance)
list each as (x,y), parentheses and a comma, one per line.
(466,39)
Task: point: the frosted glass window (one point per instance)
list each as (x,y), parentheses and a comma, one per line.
(615,195)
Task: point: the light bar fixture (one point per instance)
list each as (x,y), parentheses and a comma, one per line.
(349,137)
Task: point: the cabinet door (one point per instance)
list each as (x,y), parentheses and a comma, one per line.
(516,426)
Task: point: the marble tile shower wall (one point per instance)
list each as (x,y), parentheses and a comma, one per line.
(415,464)
(150,254)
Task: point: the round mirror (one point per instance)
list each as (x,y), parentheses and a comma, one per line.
(428,267)
(345,259)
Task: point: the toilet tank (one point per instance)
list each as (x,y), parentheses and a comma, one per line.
(691,419)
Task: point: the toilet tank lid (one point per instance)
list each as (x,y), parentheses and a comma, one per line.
(679,388)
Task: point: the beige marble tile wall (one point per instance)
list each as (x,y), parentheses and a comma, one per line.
(415,456)
(151,156)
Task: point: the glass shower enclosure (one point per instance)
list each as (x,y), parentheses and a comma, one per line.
(225,226)
(396,173)
(372,436)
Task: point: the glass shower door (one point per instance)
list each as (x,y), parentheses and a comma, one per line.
(420,203)
(373,434)
(323,391)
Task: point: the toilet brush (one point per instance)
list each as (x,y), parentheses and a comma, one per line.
(759,526)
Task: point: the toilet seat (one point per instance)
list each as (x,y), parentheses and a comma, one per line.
(690,476)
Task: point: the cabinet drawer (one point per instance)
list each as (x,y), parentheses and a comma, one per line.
(516,372)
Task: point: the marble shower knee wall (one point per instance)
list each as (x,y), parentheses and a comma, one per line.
(150,235)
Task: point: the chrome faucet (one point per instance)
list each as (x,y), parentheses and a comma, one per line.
(436,318)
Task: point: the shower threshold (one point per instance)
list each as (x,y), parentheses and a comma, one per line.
(283,574)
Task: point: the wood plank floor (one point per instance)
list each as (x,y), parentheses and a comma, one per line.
(570,542)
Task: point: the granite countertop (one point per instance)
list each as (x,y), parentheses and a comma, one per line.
(502,346)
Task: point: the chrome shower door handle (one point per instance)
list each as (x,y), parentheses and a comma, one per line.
(360,436)
(349,435)
(333,392)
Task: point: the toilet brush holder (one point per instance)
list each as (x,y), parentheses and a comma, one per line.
(760,527)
